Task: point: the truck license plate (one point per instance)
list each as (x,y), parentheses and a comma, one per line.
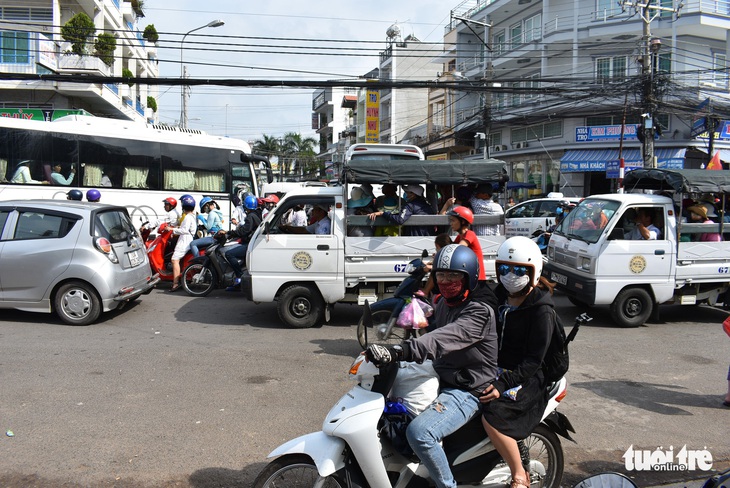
(134,259)
(558,278)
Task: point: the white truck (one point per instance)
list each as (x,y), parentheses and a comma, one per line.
(307,273)
(592,259)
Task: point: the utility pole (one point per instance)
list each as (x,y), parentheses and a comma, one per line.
(648,10)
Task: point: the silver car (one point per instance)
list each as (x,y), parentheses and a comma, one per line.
(76,259)
(525,218)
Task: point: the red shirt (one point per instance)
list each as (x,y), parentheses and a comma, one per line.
(473,241)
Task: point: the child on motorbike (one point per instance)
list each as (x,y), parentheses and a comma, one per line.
(513,405)
(462,343)
(186,231)
(212,219)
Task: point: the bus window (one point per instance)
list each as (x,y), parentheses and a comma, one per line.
(194,168)
(131,164)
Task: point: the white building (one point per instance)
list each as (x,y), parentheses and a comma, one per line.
(32,44)
(560,73)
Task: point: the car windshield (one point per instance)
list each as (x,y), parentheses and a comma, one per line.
(114,224)
(587,221)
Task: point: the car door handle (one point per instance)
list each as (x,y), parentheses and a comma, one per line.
(323,247)
(659,252)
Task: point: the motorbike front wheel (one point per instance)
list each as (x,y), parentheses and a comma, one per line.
(294,471)
(198,280)
(375,335)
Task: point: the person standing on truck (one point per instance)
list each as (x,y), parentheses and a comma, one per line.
(462,342)
(482,204)
(415,205)
(645,229)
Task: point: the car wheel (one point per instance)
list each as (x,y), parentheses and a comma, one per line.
(632,307)
(76,303)
(300,306)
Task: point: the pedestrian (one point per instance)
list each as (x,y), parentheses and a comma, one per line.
(482,204)
(185,231)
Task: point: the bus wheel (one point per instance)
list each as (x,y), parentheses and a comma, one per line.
(301,306)
(632,307)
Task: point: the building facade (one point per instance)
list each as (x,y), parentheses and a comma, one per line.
(549,84)
(32,43)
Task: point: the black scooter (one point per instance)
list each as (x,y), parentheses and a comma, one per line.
(209,271)
(383,314)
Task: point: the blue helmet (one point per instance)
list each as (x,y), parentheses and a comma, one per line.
(74,195)
(250,202)
(93,195)
(183,196)
(188,202)
(455,257)
(204,201)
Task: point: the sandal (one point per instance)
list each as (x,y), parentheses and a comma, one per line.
(517,482)
(174,287)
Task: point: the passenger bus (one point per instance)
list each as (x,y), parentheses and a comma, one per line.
(131,164)
(384,151)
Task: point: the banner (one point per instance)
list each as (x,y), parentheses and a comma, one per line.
(372,116)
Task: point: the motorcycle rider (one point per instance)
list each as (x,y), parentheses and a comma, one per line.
(513,405)
(243,232)
(186,231)
(212,219)
(93,195)
(171,216)
(462,341)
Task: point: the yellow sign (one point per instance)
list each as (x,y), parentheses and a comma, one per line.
(439,157)
(637,264)
(372,116)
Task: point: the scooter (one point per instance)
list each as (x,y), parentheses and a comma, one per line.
(160,249)
(209,271)
(385,312)
(349,452)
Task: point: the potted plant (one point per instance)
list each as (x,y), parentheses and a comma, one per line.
(127,73)
(138,7)
(104,47)
(77,31)
(150,33)
(152,104)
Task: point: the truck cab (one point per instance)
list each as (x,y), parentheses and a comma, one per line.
(600,256)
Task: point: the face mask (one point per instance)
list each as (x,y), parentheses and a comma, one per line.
(513,283)
(450,289)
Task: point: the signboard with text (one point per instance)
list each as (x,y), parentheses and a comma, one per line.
(38,114)
(605,133)
(372,116)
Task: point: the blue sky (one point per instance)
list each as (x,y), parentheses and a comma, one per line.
(249,113)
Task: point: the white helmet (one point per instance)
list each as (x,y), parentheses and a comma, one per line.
(521,251)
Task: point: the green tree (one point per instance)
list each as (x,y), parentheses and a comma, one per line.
(300,153)
(77,31)
(268,146)
(104,47)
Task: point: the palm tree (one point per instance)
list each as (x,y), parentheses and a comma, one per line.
(300,151)
(269,146)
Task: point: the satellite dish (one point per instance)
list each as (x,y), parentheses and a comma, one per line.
(393,31)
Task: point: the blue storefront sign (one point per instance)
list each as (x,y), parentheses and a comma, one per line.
(605,133)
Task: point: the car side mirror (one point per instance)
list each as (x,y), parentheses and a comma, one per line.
(424,254)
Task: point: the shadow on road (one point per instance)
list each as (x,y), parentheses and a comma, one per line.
(217,477)
(662,399)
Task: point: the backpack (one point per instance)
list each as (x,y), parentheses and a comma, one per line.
(556,361)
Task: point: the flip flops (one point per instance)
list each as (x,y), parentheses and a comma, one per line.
(175,287)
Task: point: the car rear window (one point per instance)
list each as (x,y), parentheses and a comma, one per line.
(113,224)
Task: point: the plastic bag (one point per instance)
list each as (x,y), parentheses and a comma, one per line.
(726,326)
(412,317)
(416,385)
(427,309)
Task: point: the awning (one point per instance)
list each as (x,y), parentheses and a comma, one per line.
(579,160)
(724,153)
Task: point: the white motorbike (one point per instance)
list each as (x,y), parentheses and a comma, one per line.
(351,452)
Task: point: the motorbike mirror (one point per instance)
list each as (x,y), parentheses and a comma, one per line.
(424,254)
(606,480)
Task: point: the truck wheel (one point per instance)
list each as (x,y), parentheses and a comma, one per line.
(300,306)
(632,307)
(76,303)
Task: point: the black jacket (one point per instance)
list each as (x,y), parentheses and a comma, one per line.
(245,230)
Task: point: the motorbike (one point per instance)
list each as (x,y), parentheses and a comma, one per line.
(160,249)
(385,312)
(209,271)
(349,452)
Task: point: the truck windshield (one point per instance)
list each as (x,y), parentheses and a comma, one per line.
(588,220)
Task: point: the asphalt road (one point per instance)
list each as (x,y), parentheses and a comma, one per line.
(194,393)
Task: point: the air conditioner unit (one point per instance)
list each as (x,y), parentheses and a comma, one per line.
(496,148)
(520,145)
(503,147)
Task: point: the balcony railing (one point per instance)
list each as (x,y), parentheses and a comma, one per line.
(83,64)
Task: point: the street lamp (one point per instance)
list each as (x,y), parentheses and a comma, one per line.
(183,103)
